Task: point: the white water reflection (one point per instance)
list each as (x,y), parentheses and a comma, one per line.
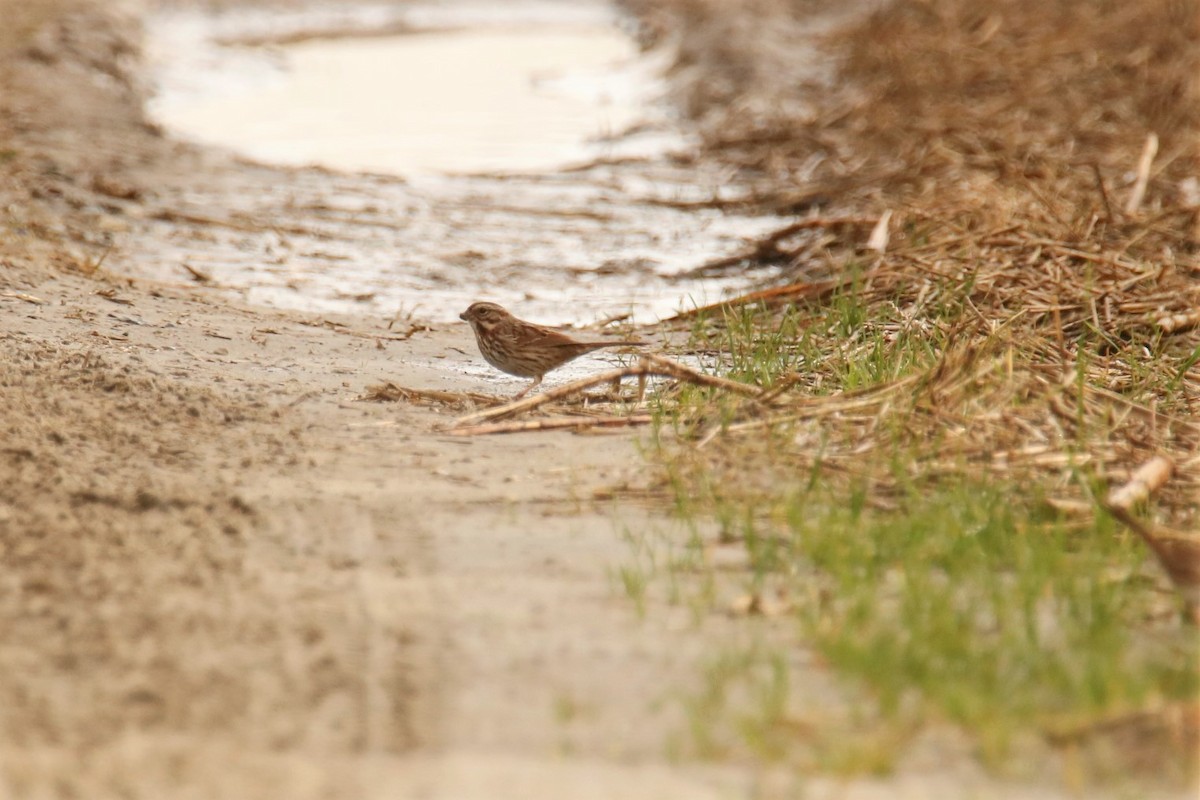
(521,96)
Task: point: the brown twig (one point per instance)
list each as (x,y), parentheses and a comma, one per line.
(553,424)
(770,201)
(27,298)
(673,369)
(1108,210)
(767,297)
(1178,555)
(767,247)
(197,275)
(648,366)
(389,392)
(1146,479)
(542,398)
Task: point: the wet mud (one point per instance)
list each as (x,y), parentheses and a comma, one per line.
(604,234)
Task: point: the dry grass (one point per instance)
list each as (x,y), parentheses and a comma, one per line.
(1006,140)
(1019,337)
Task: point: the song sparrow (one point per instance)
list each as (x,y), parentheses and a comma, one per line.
(522,348)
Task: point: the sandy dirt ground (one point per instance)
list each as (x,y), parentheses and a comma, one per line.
(227,558)
(225,574)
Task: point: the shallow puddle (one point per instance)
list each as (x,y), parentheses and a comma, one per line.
(476,107)
(526,95)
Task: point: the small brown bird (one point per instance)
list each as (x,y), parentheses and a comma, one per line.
(522,348)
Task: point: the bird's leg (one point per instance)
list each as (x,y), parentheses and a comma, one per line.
(536,382)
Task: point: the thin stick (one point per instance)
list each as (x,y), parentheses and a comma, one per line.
(1178,555)
(1147,479)
(28,298)
(781,386)
(674,369)
(198,275)
(557,423)
(779,294)
(1108,211)
(768,246)
(533,401)
(390,392)
(649,365)
(1143,174)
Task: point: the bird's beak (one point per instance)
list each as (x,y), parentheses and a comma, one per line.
(463,317)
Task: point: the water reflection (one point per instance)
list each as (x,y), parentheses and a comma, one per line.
(477,99)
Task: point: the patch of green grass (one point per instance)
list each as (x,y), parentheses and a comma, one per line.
(921,553)
(970,603)
(992,612)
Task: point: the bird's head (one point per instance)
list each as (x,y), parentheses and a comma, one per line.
(484,315)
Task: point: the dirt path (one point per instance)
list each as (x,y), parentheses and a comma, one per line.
(347,580)
(228,576)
